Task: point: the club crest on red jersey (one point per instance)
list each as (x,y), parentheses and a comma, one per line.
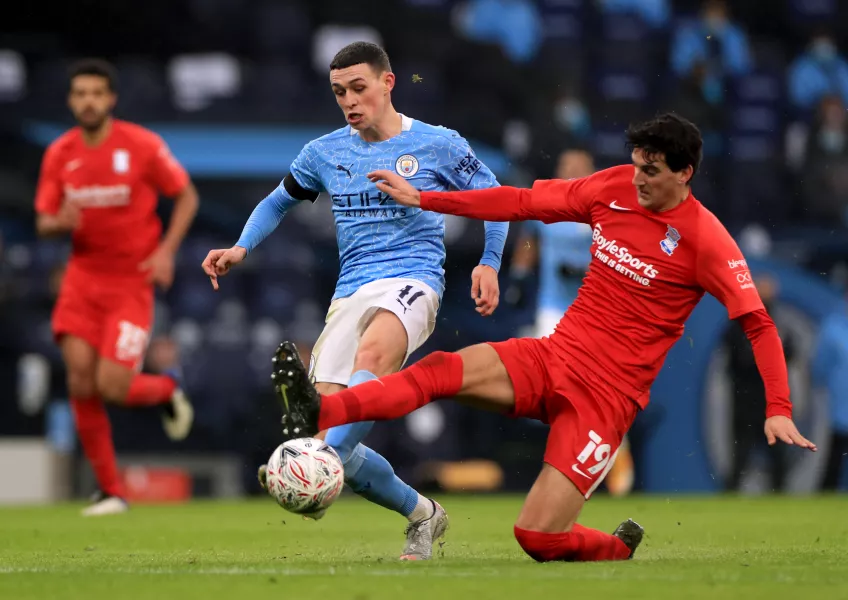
(121,161)
(669,243)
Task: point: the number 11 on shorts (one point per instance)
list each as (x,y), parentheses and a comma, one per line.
(403,293)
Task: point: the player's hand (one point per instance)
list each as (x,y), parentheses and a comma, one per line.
(397,187)
(485,290)
(69,217)
(159,267)
(219,262)
(783,429)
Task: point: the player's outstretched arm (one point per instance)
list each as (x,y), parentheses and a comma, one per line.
(491,204)
(723,272)
(768,354)
(549,201)
(262,222)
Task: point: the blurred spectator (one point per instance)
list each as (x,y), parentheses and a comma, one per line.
(572,117)
(560,250)
(699,99)
(714,40)
(749,399)
(162,355)
(818,72)
(830,369)
(515,25)
(825,173)
(654,12)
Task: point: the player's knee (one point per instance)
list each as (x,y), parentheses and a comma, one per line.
(112,389)
(81,383)
(376,357)
(542,521)
(529,522)
(529,542)
(538,545)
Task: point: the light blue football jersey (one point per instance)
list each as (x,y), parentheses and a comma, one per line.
(560,245)
(377,238)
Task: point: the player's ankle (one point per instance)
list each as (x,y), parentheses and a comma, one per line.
(424,509)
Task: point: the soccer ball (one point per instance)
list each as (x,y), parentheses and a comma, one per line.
(305,476)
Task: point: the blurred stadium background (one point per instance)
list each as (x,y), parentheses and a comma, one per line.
(236,87)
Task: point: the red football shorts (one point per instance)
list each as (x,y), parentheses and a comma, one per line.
(112,314)
(588,417)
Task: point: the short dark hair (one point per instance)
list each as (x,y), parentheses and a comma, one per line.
(359,53)
(671,135)
(97,67)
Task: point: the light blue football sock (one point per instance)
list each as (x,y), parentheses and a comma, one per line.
(367,472)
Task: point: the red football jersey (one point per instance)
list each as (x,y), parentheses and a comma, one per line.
(117,185)
(648,271)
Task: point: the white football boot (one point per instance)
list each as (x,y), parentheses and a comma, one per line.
(178,416)
(421,536)
(102,505)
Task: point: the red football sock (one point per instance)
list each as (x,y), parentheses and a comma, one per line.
(437,375)
(149,390)
(581,544)
(95,433)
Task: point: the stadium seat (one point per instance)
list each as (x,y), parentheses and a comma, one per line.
(276,300)
(143,90)
(198,81)
(275,89)
(13,76)
(563,19)
(281,30)
(193,297)
(49,88)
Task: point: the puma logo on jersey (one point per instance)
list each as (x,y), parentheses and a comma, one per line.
(345,169)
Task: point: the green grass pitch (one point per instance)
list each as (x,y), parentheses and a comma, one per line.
(717,548)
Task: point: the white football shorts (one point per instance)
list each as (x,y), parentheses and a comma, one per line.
(414,303)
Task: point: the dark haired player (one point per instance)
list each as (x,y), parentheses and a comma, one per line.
(100,183)
(391,257)
(656,250)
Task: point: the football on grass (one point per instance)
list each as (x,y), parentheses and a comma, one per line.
(305,476)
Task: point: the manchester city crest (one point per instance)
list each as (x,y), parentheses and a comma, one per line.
(406,165)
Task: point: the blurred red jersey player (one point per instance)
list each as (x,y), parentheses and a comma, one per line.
(100,183)
(655,251)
